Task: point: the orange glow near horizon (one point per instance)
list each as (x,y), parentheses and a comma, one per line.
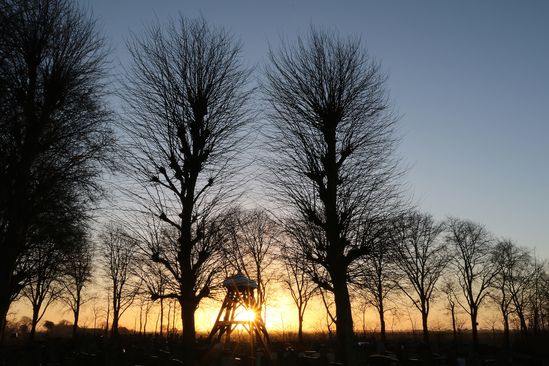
(279,317)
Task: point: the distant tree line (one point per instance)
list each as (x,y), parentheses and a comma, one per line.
(341,227)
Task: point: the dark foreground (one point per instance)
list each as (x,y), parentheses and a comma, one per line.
(133,350)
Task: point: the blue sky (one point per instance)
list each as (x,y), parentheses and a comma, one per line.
(470,80)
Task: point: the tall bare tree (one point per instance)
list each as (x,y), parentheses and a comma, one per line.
(53,124)
(422,256)
(186,96)
(472,246)
(331,134)
(118,258)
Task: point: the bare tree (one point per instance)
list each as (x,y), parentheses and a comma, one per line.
(422,256)
(118,258)
(296,280)
(539,297)
(520,272)
(507,258)
(77,274)
(251,248)
(145,306)
(472,258)
(186,99)
(331,161)
(43,287)
(379,278)
(449,290)
(160,245)
(53,124)
(96,310)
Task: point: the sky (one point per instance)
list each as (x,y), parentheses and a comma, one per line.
(469,80)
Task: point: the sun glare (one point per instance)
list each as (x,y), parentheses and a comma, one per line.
(245,315)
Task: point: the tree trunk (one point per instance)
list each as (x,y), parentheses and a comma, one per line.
(174,316)
(535,316)
(338,270)
(145,322)
(108,315)
(6,280)
(506,336)
(114,327)
(169,319)
(75,324)
(381,311)
(161,315)
(141,319)
(187,316)
(344,320)
(187,279)
(454,330)
(188,309)
(34,322)
(523,326)
(424,318)
(2,332)
(474,327)
(5,302)
(300,327)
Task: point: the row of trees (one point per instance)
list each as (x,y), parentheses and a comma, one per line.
(57,275)
(462,261)
(340,217)
(422,259)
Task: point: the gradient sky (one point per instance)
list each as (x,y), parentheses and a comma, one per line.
(470,80)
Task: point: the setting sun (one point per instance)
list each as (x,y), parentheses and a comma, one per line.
(245,315)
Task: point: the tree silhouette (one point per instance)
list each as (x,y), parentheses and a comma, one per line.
(539,296)
(379,278)
(331,162)
(77,274)
(118,259)
(186,100)
(422,256)
(510,261)
(301,288)
(53,125)
(43,287)
(516,268)
(472,247)
(449,289)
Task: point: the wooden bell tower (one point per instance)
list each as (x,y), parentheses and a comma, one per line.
(238,301)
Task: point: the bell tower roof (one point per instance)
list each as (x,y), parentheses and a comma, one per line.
(239,280)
